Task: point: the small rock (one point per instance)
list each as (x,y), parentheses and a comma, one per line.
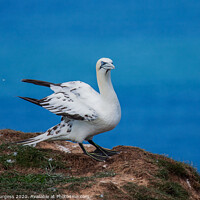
(52,189)
(188,182)
(10,161)
(15,154)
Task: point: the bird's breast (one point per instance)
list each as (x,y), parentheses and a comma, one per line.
(109,115)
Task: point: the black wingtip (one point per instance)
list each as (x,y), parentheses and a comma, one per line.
(38,82)
(28,80)
(32,100)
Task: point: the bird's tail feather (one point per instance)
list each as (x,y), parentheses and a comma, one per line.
(46,136)
(34,140)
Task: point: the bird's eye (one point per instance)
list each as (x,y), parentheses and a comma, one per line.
(103,63)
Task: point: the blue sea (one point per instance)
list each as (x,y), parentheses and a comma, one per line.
(154,46)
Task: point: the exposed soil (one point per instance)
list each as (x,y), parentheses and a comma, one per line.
(131,174)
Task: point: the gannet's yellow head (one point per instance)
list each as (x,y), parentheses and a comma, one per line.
(104,65)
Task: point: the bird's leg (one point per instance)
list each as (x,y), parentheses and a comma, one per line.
(93,155)
(102,151)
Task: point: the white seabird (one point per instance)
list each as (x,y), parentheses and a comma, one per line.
(85,112)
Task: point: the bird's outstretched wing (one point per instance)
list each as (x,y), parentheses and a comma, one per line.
(75,100)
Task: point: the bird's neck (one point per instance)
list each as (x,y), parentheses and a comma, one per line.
(105,85)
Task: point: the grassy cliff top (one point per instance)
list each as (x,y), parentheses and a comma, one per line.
(60,168)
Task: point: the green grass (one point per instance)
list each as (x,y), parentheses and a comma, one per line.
(78,183)
(168,168)
(143,193)
(196,177)
(76,187)
(163,174)
(195,173)
(173,189)
(28,157)
(159,191)
(17,183)
(175,168)
(12,182)
(85,182)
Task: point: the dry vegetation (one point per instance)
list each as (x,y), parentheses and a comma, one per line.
(60,168)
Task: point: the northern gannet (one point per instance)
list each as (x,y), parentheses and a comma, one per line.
(85,112)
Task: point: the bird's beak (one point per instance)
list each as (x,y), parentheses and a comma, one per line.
(108,66)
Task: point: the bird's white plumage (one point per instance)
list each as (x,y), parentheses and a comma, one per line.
(72,99)
(84,111)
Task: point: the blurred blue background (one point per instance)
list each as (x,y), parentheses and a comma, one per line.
(155,46)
